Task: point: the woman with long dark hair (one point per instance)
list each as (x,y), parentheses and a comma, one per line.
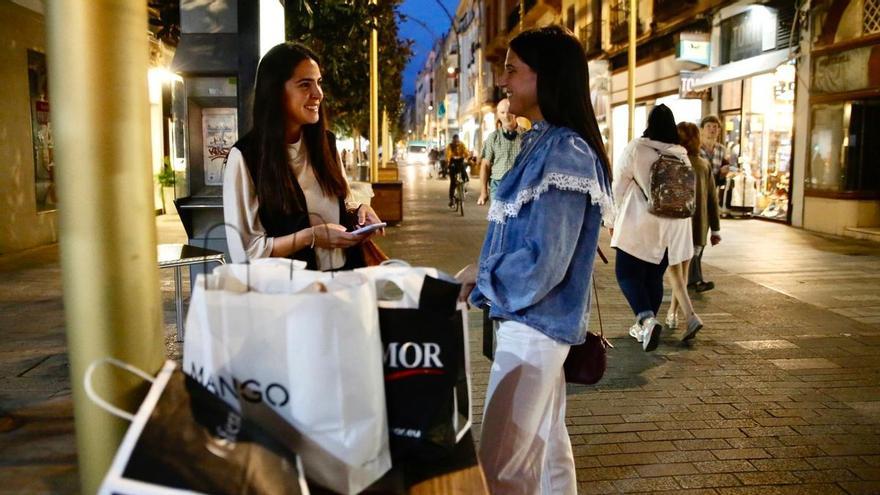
(536,265)
(284,188)
(647,244)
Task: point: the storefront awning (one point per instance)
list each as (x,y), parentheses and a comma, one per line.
(749,67)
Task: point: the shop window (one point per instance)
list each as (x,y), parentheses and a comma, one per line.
(620,127)
(41,126)
(684,110)
(843,142)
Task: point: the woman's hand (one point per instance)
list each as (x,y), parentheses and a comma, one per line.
(367,216)
(331,236)
(467,277)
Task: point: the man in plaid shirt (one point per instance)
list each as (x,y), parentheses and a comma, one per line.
(499,151)
(713,151)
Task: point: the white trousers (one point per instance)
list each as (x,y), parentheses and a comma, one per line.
(524,447)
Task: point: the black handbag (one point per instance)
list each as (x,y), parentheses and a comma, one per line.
(586,363)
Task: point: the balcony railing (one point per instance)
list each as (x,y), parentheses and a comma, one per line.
(665,10)
(619,22)
(515,15)
(513,19)
(591,37)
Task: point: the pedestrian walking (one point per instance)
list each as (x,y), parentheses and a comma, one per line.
(284,190)
(646,243)
(705,214)
(499,151)
(536,263)
(713,151)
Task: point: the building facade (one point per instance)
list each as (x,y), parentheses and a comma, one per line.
(30,216)
(840,118)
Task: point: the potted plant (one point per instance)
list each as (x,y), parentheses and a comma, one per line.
(166,179)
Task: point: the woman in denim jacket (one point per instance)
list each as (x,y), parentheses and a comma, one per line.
(536,263)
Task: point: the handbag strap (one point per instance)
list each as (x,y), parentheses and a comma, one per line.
(596,299)
(98,400)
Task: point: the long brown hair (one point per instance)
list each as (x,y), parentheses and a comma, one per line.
(689,137)
(272,175)
(560,62)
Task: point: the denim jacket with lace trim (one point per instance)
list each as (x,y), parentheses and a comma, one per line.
(536,263)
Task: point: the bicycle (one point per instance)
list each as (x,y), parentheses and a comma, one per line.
(458,189)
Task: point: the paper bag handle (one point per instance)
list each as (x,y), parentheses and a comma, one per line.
(395,262)
(98,400)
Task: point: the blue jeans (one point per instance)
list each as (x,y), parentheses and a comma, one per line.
(641,283)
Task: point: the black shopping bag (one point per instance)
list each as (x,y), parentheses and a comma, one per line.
(184,439)
(427,383)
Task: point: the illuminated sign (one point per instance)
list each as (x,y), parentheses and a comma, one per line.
(693,51)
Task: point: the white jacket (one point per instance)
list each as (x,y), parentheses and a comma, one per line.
(636,231)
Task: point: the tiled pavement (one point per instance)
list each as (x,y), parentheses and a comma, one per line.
(780,393)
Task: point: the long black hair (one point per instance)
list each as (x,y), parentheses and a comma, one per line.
(661,125)
(560,62)
(267,150)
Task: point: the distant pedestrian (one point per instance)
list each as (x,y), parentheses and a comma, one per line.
(646,243)
(456,153)
(713,151)
(705,214)
(537,262)
(499,151)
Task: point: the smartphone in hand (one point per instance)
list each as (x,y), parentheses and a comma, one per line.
(369,228)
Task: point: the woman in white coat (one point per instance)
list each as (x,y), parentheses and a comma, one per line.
(647,244)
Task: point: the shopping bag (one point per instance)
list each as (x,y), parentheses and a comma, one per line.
(185,440)
(427,369)
(305,345)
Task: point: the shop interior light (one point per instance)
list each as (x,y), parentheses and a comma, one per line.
(156,78)
(271,24)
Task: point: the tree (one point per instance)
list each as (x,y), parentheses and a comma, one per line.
(339,31)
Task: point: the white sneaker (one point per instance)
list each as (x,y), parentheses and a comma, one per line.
(651,329)
(694,326)
(635,332)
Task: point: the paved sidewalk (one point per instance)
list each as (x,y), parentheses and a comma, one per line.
(780,393)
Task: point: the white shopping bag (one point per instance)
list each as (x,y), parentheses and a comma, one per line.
(306,345)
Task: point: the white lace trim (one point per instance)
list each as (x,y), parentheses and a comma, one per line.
(500,211)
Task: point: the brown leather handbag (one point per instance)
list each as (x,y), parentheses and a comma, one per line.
(372,254)
(585,364)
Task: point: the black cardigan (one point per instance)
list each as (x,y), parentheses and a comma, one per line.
(279,224)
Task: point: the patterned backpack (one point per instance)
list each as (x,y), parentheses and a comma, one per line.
(672,187)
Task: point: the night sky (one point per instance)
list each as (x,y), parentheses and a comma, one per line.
(431,14)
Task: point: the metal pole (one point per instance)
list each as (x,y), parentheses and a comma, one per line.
(385,148)
(98,60)
(374,97)
(631,70)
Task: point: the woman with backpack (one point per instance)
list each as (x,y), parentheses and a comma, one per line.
(647,243)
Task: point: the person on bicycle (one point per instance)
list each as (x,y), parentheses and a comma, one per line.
(456,153)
